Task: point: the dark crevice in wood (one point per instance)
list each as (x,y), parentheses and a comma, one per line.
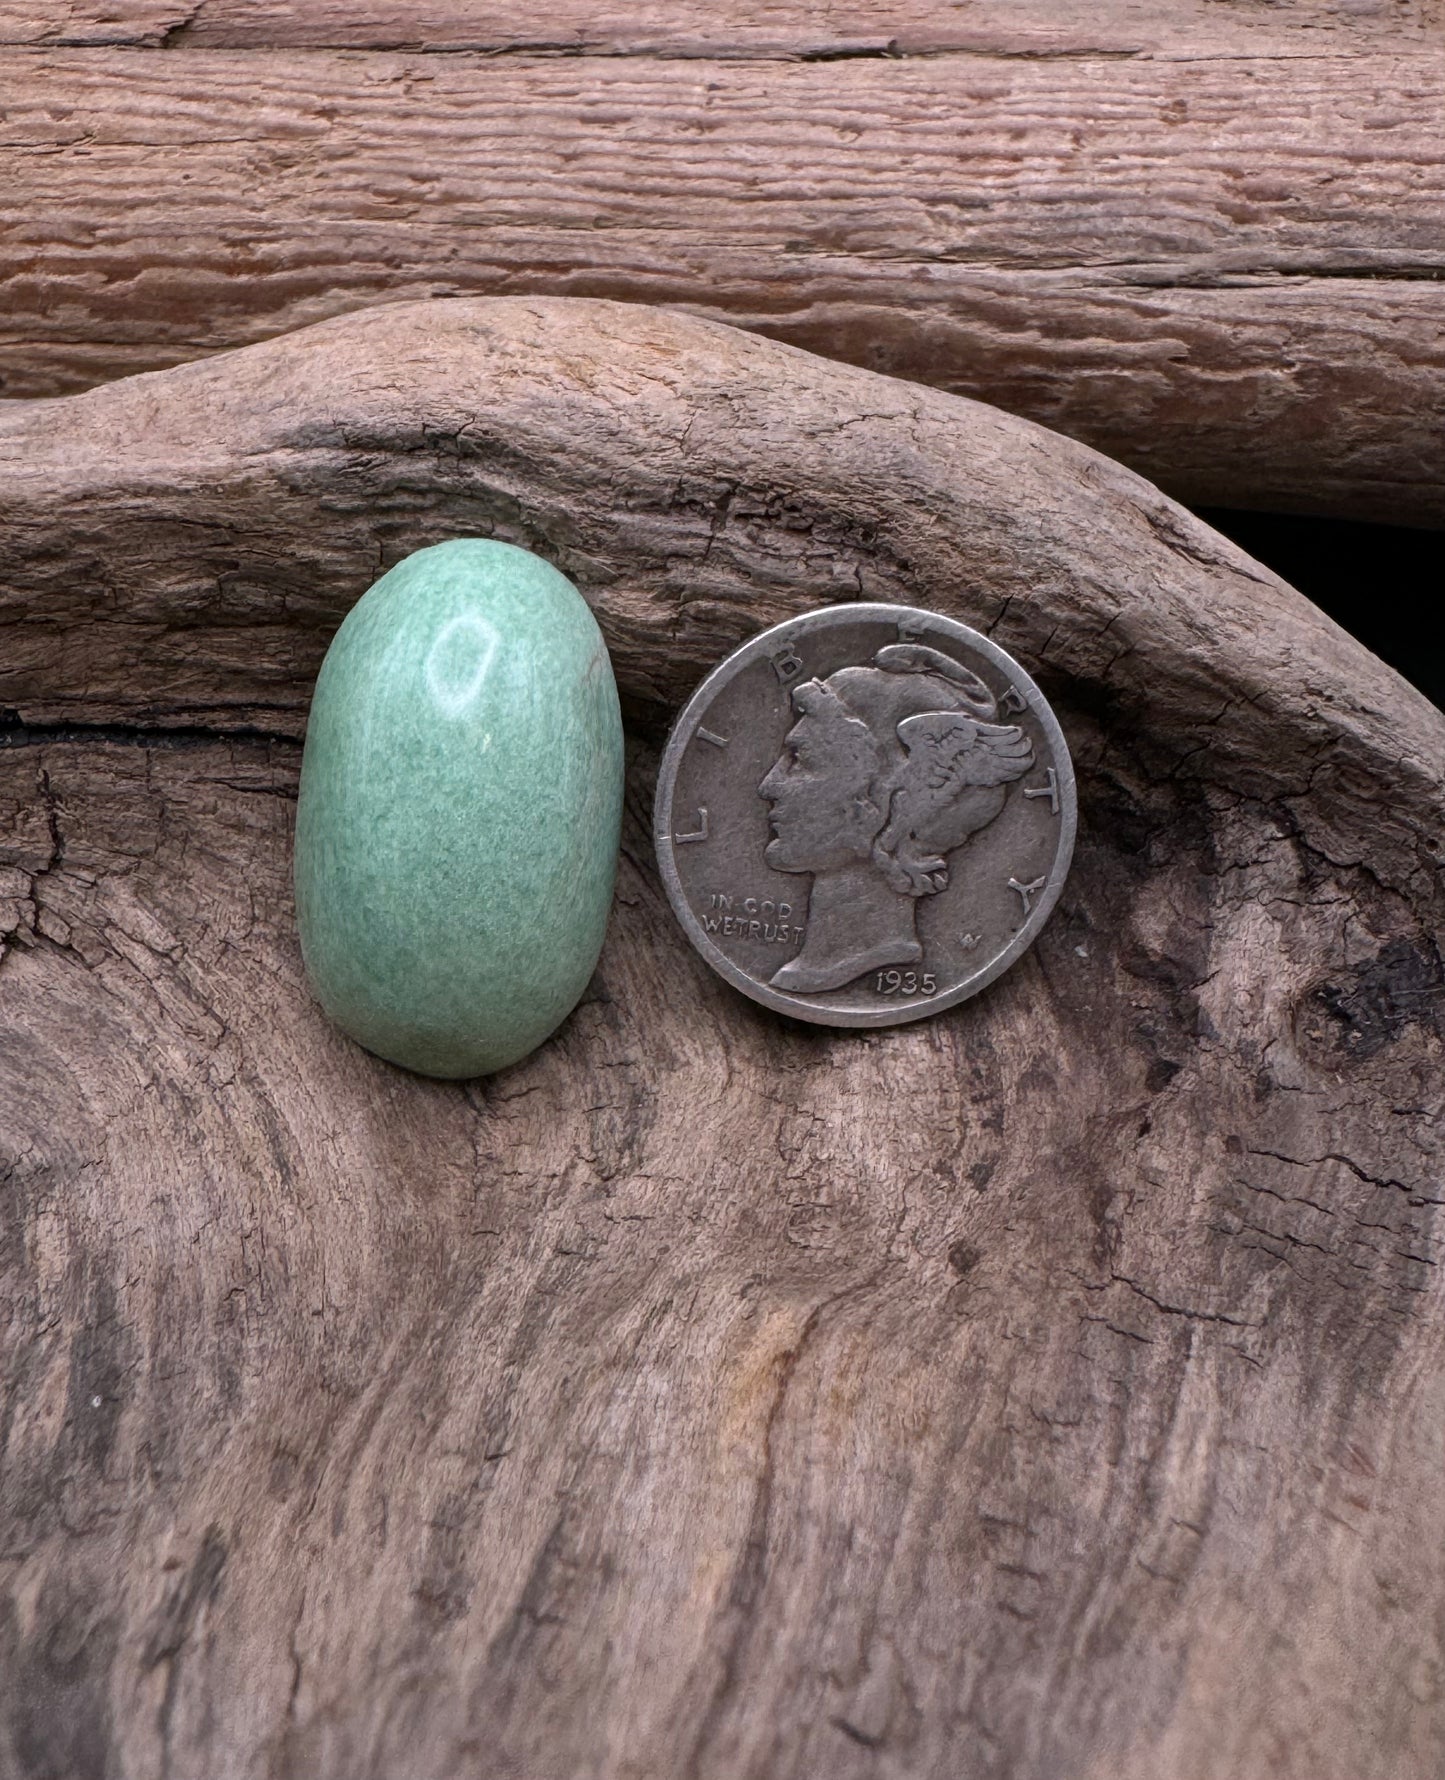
(1382,583)
(15,732)
(184,34)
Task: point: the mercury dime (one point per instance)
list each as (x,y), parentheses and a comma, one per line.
(865,815)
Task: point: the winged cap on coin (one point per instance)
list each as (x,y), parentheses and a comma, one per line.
(888,769)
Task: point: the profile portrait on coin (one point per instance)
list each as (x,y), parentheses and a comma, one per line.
(888,769)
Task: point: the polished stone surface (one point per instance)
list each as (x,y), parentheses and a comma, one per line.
(460,803)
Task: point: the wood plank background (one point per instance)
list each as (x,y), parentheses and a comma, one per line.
(1207,238)
(1050,1389)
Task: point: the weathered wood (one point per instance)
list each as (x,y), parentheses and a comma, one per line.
(1203,238)
(1050,1388)
(692,27)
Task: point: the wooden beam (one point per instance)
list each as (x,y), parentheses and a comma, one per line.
(1219,260)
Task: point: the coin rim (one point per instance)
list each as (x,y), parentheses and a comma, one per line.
(686,724)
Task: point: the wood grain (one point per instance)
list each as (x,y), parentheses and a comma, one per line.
(766,28)
(1051,1387)
(1216,257)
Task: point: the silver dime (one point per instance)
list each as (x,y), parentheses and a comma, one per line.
(865,815)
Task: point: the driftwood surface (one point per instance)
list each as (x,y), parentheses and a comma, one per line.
(1052,1388)
(1204,237)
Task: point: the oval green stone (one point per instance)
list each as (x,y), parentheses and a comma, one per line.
(460,802)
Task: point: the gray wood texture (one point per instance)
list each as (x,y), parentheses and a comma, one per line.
(1204,237)
(1053,1388)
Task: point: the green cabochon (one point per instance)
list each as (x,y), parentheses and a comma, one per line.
(460,804)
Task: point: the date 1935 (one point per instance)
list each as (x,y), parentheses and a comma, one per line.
(905,982)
